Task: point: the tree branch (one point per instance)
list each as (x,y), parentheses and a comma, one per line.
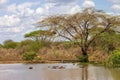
(106,28)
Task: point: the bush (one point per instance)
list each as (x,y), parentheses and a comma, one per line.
(1,46)
(114,59)
(29,56)
(38,58)
(31,46)
(35,46)
(67,45)
(25,43)
(10,44)
(81,58)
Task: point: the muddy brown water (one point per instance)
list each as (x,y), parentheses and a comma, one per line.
(48,72)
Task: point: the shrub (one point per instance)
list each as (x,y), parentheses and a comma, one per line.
(35,46)
(67,45)
(38,58)
(81,58)
(25,43)
(10,44)
(1,46)
(29,56)
(31,46)
(114,59)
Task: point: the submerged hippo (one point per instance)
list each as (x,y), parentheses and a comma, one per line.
(58,67)
(30,67)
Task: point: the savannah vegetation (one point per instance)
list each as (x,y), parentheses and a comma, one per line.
(88,36)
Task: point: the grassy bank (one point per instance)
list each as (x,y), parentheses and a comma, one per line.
(57,52)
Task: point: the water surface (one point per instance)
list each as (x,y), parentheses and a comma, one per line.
(47,72)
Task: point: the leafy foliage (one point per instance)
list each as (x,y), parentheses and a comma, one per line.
(114,59)
(40,35)
(31,46)
(25,42)
(108,41)
(1,46)
(81,58)
(10,44)
(29,56)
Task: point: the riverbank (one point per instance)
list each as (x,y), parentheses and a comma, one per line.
(42,61)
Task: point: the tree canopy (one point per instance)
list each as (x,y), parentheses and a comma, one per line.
(81,27)
(10,44)
(41,35)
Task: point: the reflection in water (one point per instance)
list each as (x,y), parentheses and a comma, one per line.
(46,72)
(115,73)
(99,73)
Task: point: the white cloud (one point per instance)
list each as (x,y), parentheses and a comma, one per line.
(40,10)
(19,18)
(3,1)
(61,1)
(14,29)
(115,1)
(23,9)
(88,4)
(9,20)
(25,5)
(49,5)
(11,30)
(12,8)
(61,7)
(28,12)
(75,9)
(116,7)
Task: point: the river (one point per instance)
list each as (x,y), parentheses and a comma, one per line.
(54,72)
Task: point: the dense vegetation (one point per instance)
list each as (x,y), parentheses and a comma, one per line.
(89,36)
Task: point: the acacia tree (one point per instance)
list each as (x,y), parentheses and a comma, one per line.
(81,27)
(40,35)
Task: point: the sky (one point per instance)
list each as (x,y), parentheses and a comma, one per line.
(18,17)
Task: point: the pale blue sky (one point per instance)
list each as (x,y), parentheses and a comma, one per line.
(18,16)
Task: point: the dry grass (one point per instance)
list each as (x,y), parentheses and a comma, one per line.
(59,52)
(9,55)
(98,57)
(55,53)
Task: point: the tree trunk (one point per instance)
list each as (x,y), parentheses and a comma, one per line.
(85,55)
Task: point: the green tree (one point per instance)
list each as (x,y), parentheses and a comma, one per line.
(10,44)
(40,35)
(30,45)
(81,26)
(108,41)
